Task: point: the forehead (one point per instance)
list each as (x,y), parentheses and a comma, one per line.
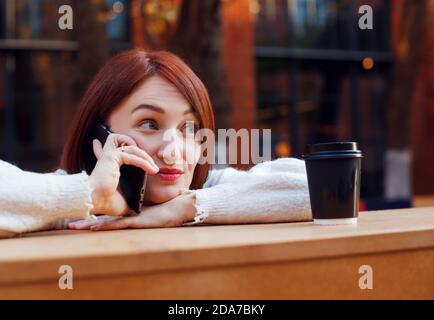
(158,91)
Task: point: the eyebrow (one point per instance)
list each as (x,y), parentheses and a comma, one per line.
(157,109)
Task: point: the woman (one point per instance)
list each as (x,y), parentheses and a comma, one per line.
(145,95)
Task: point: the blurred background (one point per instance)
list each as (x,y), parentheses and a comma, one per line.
(303,68)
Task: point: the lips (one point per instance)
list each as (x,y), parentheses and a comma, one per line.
(170,171)
(169,174)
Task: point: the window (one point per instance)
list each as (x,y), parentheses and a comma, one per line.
(2,99)
(37,93)
(37,19)
(320,78)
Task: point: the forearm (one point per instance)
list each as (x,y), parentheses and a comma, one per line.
(270,192)
(31,201)
(253,206)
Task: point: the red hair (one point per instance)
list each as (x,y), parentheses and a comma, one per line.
(116,80)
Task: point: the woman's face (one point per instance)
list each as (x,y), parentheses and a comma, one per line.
(162,123)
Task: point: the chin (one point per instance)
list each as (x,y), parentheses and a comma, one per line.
(162,194)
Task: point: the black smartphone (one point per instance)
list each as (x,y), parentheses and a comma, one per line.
(132,182)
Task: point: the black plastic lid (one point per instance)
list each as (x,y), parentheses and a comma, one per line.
(333,146)
(333,150)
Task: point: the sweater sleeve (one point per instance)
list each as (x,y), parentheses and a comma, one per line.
(273,191)
(32,201)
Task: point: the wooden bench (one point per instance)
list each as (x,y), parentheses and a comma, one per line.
(262,261)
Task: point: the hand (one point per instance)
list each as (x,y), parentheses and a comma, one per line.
(173,213)
(104,179)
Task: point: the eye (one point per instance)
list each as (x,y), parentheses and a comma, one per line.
(190,127)
(149,124)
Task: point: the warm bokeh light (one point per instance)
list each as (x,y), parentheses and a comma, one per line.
(254,7)
(283,149)
(368,63)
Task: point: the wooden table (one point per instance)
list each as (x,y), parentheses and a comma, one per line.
(423,201)
(267,261)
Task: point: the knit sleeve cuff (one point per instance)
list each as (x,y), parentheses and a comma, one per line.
(201,213)
(210,202)
(77,192)
(74,196)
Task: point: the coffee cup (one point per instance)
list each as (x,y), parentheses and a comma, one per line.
(333,173)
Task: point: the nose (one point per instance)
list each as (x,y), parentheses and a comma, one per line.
(171,149)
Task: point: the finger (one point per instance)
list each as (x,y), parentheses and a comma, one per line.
(140,153)
(150,218)
(82,225)
(135,222)
(121,223)
(131,159)
(146,219)
(97,148)
(154,221)
(115,140)
(87,223)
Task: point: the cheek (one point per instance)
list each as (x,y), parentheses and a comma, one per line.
(192,153)
(145,143)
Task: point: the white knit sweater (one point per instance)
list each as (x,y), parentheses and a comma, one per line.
(273,191)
